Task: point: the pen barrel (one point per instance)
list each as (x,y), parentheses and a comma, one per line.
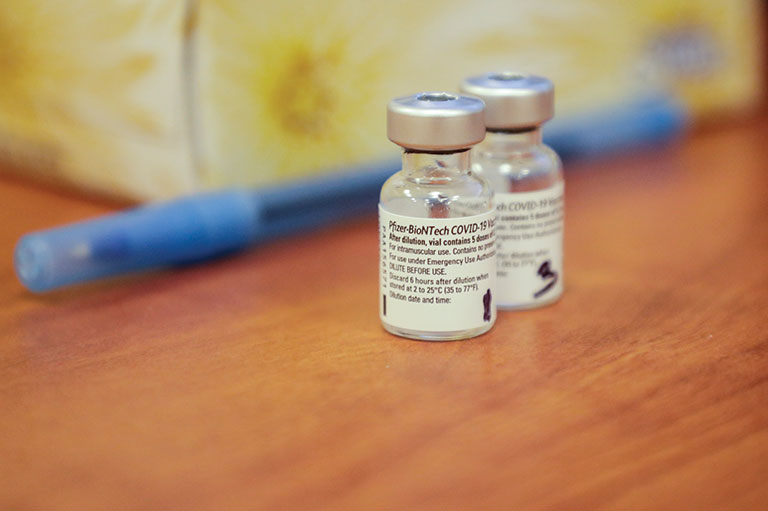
(154,235)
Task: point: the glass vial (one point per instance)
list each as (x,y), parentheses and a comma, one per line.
(436,223)
(527,179)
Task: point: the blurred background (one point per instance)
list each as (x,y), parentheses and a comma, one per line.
(147,99)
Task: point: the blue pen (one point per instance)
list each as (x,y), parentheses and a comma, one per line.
(191,229)
(202,226)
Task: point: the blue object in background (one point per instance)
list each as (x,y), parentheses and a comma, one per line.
(207,225)
(643,123)
(189,229)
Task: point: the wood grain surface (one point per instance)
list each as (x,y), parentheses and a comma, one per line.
(264,381)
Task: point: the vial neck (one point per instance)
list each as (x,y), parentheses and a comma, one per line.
(501,142)
(435,165)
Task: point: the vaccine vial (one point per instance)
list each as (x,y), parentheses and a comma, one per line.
(436,223)
(527,179)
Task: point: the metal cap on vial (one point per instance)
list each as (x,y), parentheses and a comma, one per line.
(513,100)
(436,121)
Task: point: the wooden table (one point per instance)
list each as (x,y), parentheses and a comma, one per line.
(264,381)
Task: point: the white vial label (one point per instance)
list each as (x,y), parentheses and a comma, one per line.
(529,232)
(437,274)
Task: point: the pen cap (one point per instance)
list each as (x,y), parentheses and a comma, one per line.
(436,121)
(180,231)
(513,100)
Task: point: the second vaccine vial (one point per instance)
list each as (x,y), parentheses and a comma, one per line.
(527,178)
